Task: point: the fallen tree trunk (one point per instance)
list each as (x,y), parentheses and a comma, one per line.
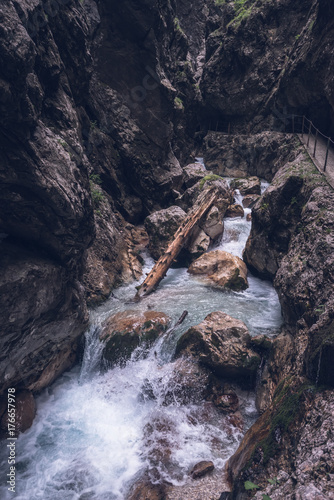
(203,203)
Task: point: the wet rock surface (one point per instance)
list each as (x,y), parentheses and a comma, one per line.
(213,225)
(250,185)
(222,268)
(300,261)
(186,201)
(25,411)
(276,214)
(161,227)
(249,200)
(125,331)
(145,490)
(304,472)
(44,316)
(235,211)
(193,173)
(260,154)
(201,469)
(221,343)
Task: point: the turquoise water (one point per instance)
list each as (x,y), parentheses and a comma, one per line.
(90,438)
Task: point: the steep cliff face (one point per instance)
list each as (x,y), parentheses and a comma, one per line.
(267,59)
(45,202)
(99,106)
(85,99)
(292,242)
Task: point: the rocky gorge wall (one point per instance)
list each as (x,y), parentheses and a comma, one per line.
(291,242)
(100,103)
(69,123)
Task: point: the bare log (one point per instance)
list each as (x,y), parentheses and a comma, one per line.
(203,203)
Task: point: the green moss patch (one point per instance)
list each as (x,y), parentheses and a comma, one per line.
(210,177)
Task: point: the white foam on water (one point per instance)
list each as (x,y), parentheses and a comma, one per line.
(95,432)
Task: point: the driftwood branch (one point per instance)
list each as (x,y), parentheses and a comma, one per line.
(203,204)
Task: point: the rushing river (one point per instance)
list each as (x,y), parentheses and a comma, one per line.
(89,439)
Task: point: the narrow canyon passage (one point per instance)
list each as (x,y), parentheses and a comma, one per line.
(97,430)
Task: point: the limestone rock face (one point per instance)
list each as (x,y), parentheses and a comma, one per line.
(249,200)
(264,444)
(40,302)
(25,411)
(199,243)
(235,211)
(250,185)
(222,268)
(114,257)
(213,226)
(275,216)
(123,332)
(221,343)
(161,227)
(299,205)
(260,154)
(193,173)
(263,79)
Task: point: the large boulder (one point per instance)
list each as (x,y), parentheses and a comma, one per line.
(185,382)
(202,469)
(213,225)
(193,173)
(199,243)
(222,343)
(188,198)
(125,331)
(222,268)
(144,489)
(250,185)
(249,200)
(161,227)
(235,210)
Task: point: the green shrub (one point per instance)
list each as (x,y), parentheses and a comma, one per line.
(95,178)
(178,103)
(97,196)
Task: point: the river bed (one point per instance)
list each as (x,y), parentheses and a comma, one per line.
(89,439)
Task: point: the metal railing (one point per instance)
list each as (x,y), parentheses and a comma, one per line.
(314,132)
(289,123)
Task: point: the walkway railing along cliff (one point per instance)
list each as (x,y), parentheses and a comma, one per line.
(314,132)
(296,124)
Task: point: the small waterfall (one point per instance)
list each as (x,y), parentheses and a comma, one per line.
(96,430)
(92,354)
